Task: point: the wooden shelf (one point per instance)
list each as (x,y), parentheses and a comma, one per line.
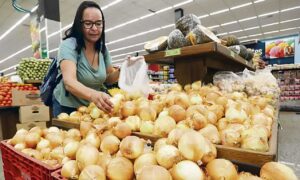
(199,62)
(65,124)
(33,81)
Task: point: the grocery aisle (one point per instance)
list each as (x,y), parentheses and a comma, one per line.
(289,140)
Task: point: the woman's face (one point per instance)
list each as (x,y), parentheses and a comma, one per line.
(92,24)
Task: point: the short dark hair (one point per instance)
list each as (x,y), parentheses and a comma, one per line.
(76,29)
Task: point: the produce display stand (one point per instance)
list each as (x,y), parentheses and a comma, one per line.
(199,62)
(33,82)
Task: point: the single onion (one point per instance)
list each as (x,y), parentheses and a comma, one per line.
(222,124)
(17,139)
(182,99)
(85,127)
(163,113)
(143,161)
(235,116)
(57,154)
(255,143)
(192,146)
(211,117)
(134,122)
(154,172)
(187,170)
(196,86)
(158,106)
(122,130)
(210,154)
(74,134)
(95,112)
(44,143)
(92,172)
(116,104)
(186,124)
(195,99)
(147,113)
(128,109)
(103,160)
(196,108)
(120,168)
(132,147)
(70,170)
(99,121)
(86,155)
(269,111)
(22,131)
(230,137)
(110,144)
(198,121)
(20,146)
(221,169)
(257,131)
(71,148)
(218,110)
(167,156)
(33,153)
(37,130)
(53,129)
(177,113)
(176,87)
(67,140)
(147,127)
(277,171)
(63,116)
(93,139)
(164,125)
(262,119)
(82,109)
(222,100)
(32,139)
(211,133)
(159,143)
(212,96)
(248,176)
(113,121)
(55,139)
(106,133)
(75,116)
(175,135)
(187,88)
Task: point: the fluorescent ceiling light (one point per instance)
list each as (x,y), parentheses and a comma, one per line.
(250,28)
(127,47)
(12,73)
(242,37)
(288,29)
(249,40)
(203,16)
(228,23)
(119,55)
(222,34)
(289,9)
(117,60)
(163,10)
(182,3)
(215,26)
(167,26)
(253,35)
(271,32)
(258,1)
(20,51)
(111,4)
(269,13)
(6,69)
(271,24)
(240,6)
(53,50)
(235,31)
(290,20)
(219,12)
(247,19)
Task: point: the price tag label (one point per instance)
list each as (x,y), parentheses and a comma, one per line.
(232,54)
(173,52)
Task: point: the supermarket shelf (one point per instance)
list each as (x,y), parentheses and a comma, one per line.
(199,62)
(33,81)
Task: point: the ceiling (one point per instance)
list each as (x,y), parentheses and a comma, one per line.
(247,19)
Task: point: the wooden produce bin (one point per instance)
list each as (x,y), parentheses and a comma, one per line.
(199,62)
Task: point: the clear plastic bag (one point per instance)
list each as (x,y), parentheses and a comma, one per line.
(228,81)
(133,76)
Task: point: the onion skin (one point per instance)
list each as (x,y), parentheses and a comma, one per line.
(211,133)
(221,169)
(70,149)
(92,172)
(128,109)
(277,171)
(32,139)
(187,170)
(164,125)
(167,156)
(144,160)
(159,143)
(154,172)
(175,135)
(132,147)
(86,155)
(103,160)
(248,176)
(120,168)
(70,170)
(110,144)
(122,130)
(210,154)
(198,121)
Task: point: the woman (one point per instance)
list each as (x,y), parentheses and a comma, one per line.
(84,63)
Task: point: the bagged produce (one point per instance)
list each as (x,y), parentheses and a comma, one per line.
(228,81)
(230,40)
(157,44)
(197,36)
(176,39)
(186,23)
(133,76)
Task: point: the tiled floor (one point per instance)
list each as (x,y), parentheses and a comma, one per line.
(289,142)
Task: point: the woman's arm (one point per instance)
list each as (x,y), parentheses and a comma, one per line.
(112,75)
(68,69)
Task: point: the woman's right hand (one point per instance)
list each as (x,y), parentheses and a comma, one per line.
(102,101)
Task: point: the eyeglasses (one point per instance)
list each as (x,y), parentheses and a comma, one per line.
(87,24)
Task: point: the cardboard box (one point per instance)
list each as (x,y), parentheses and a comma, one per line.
(30,125)
(34,113)
(24,98)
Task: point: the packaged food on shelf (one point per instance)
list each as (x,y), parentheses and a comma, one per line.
(186,23)
(158,44)
(176,39)
(197,36)
(230,40)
